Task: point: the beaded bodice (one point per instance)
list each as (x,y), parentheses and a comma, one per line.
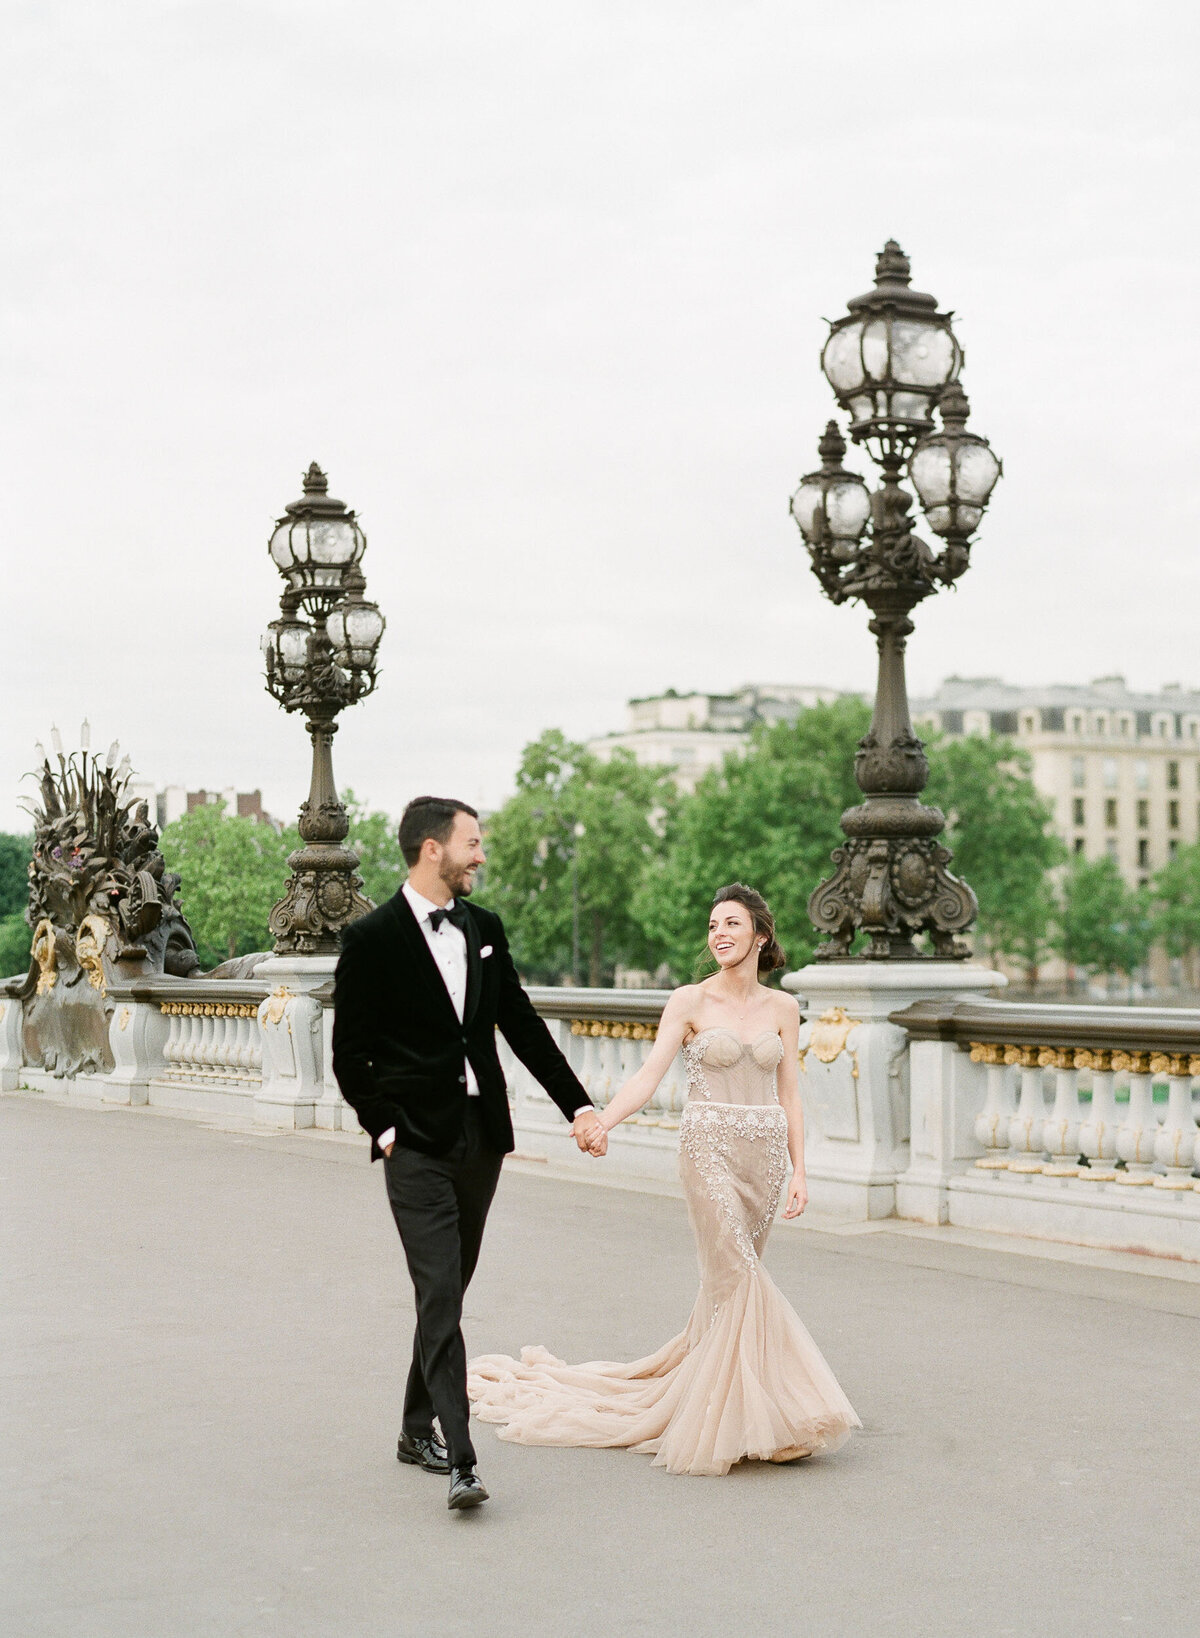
(722,1068)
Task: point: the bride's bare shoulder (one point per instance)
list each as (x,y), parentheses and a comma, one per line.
(787,1008)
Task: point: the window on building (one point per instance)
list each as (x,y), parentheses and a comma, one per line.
(1172,776)
(1126,726)
(1143,883)
(1079,844)
(1143,853)
(1101,725)
(1076,723)
(1173,846)
(1143,813)
(1110,813)
(1077,813)
(1141,775)
(1079,772)
(1173,815)
(1110,847)
(1110,773)
(1163,726)
(1194,729)
(1029,722)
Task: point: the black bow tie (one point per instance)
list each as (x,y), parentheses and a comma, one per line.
(455,914)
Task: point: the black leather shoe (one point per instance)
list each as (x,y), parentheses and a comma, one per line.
(428,1452)
(466,1487)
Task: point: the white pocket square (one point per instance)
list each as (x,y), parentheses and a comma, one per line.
(485,952)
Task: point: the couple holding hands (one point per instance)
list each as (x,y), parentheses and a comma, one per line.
(422,985)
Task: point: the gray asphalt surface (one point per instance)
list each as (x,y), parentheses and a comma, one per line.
(204,1336)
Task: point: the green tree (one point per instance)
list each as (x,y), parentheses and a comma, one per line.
(578,830)
(15,854)
(233,870)
(999,828)
(1104,925)
(769,819)
(373,836)
(16,940)
(1175,895)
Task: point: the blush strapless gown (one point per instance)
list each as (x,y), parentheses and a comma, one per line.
(744,1379)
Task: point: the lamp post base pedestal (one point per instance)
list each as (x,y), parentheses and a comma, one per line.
(882,1124)
(290,1025)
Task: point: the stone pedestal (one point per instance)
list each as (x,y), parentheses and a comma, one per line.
(879,1121)
(137,1034)
(290,1024)
(10,1043)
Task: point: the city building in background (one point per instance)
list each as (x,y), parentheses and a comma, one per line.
(171,802)
(1122,769)
(692,733)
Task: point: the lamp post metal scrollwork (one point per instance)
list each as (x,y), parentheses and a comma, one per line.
(890,360)
(320,657)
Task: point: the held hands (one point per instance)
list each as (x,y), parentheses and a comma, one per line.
(589,1133)
(797,1197)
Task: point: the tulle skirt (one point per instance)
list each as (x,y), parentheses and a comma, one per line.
(743,1381)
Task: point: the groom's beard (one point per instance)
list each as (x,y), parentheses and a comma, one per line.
(457,882)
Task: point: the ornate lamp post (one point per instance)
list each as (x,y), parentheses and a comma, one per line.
(321,657)
(890,360)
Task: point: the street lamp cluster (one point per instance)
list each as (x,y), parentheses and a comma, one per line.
(891,360)
(320,657)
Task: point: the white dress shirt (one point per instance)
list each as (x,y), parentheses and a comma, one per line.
(448,947)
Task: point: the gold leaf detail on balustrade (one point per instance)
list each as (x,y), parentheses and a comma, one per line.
(1160,1063)
(828,1036)
(277,1005)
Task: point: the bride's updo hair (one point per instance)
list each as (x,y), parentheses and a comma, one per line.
(771,956)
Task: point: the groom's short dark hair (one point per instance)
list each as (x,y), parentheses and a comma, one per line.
(425,817)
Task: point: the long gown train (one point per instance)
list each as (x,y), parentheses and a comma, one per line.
(744,1379)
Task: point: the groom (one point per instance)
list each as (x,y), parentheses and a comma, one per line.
(422,985)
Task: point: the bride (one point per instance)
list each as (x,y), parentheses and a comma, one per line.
(743,1380)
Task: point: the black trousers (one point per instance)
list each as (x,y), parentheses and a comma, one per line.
(440,1203)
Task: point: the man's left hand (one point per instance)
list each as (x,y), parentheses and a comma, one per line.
(585,1128)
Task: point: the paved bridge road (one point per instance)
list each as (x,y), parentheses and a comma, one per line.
(202,1339)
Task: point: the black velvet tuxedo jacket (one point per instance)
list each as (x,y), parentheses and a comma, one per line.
(398,1045)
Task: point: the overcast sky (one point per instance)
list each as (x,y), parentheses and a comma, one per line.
(541,284)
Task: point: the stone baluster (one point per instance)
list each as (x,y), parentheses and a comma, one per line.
(254,1047)
(1098,1131)
(189,1042)
(239,1051)
(993,1122)
(1060,1131)
(1175,1144)
(1025,1127)
(223,1034)
(208,1027)
(173,1049)
(1138,1131)
(592,1071)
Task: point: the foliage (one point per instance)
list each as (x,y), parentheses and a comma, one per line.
(373,836)
(999,828)
(769,819)
(233,871)
(576,825)
(1176,902)
(1104,925)
(15,854)
(15,941)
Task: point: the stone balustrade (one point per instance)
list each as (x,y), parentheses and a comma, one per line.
(1078,1123)
(924,1098)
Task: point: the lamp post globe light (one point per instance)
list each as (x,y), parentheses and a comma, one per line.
(320,657)
(891,360)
